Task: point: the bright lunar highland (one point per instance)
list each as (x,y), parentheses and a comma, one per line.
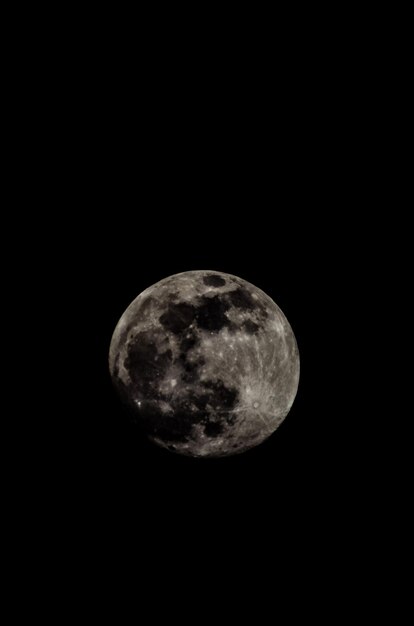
(207,363)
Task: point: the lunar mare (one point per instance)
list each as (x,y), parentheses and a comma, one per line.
(207,363)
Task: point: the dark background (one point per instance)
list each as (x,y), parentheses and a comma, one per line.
(253,172)
(278,512)
(295,484)
(262,149)
(264,193)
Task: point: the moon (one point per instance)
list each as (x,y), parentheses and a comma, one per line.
(207,362)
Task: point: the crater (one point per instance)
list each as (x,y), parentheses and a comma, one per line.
(250,327)
(213,280)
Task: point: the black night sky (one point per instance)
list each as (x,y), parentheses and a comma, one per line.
(151,193)
(141,152)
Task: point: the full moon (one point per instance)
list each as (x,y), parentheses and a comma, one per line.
(207,362)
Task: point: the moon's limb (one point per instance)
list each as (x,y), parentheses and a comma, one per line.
(207,361)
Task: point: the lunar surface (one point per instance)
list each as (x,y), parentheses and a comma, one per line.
(207,362)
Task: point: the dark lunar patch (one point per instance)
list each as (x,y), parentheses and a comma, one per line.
(199,400)
(174,427)
(231,418)
(178,317)
(213,429)
(222,398)
(212,280)
(250,327)
(211,314)
(187,343)
(145,365)
(241,299)
(190,374)
(189,365)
